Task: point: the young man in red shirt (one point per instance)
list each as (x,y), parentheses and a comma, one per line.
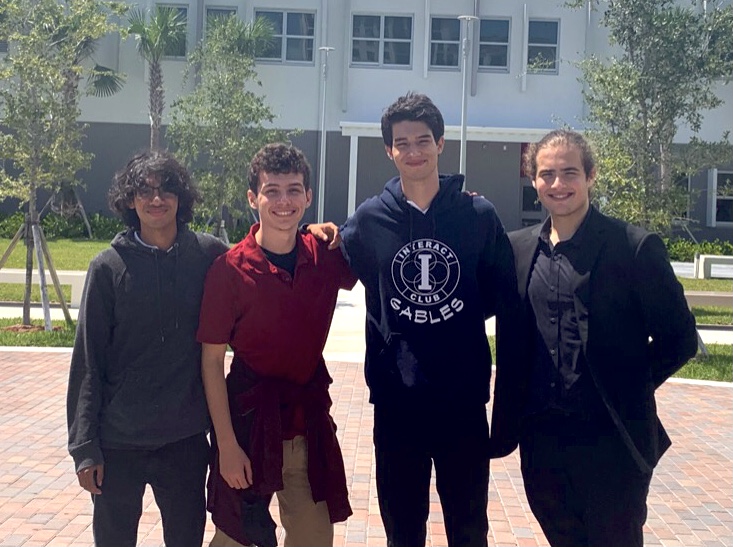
(271,298)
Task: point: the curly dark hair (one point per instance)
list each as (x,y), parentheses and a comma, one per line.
(412,107)
(142,166)
(278,158)
(555,138)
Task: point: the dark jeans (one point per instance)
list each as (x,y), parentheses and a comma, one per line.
(582,485)
(176,473)
(407,442)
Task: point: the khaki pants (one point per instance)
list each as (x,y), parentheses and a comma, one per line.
(306,524)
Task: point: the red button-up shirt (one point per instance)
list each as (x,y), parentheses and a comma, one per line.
(274,322)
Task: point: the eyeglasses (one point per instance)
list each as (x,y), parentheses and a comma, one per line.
(164,191)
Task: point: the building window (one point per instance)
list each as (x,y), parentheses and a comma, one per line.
(494,44)
(293,37)
(381,40)
(530,201)
(682,212)
(3,43)
(219,14)
(445,42)
(724,197)
(542,47)
(532,212)
(179,49)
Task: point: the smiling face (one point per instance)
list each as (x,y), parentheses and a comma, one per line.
(281,201)
(415,152)
(157,208)
(561,183)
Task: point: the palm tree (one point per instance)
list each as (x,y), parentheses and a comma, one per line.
(101,82)
(163,34)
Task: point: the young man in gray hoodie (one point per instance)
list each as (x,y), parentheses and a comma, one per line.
(136,408)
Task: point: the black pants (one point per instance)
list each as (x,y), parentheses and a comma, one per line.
(176,473)
(582,484)
(407,442)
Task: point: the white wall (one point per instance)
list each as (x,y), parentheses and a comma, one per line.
(359,94)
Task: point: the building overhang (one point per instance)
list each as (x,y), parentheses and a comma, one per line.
(453,132)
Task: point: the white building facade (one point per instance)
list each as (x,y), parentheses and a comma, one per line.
(521,81)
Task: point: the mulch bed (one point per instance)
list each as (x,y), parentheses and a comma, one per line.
(28,328)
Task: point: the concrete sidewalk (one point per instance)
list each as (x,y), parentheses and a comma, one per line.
(41,504)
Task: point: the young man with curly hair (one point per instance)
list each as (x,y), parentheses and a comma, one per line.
(272,298)
(136,407)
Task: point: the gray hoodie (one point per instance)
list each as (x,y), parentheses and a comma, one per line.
(135,378)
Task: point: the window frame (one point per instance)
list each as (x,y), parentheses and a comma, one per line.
(458,43)
(489,68)
(284,36)
(232,10)
(535,215)
(684,182)
(550,71)
(714,198)
(181,7)
(382,41)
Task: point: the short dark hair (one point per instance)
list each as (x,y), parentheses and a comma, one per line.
(412,107)
(141,167)
(554,138)
(279,158)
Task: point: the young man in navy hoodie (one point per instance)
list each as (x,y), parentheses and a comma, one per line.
(136,407)
(435,264)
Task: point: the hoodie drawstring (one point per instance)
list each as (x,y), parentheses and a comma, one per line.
(175,284)
(160,295)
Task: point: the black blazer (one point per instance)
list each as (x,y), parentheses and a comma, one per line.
(635,326)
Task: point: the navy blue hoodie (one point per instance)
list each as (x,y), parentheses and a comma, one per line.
(431,280)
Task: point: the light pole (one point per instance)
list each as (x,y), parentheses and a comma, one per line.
(325,50)
(466,19)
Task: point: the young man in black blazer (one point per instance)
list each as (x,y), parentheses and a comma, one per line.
(609,324)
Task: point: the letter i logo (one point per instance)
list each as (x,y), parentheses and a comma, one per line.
(424,266)
(428,276)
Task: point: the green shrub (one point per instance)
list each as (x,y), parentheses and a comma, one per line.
(60,227)
(683,250)
(235,234)
(105,227)
(9,224)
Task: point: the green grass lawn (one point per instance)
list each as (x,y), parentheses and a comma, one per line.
(713,315)
(714,285)
(718,366)
(67,254)
(12,292)
(64,337)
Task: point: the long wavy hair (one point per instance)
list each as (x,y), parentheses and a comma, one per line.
(143,166)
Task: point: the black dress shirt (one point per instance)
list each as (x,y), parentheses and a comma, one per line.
(560,381)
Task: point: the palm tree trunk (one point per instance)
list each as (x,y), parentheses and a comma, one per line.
(157,103)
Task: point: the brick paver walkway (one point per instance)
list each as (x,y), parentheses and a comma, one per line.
(690,503)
